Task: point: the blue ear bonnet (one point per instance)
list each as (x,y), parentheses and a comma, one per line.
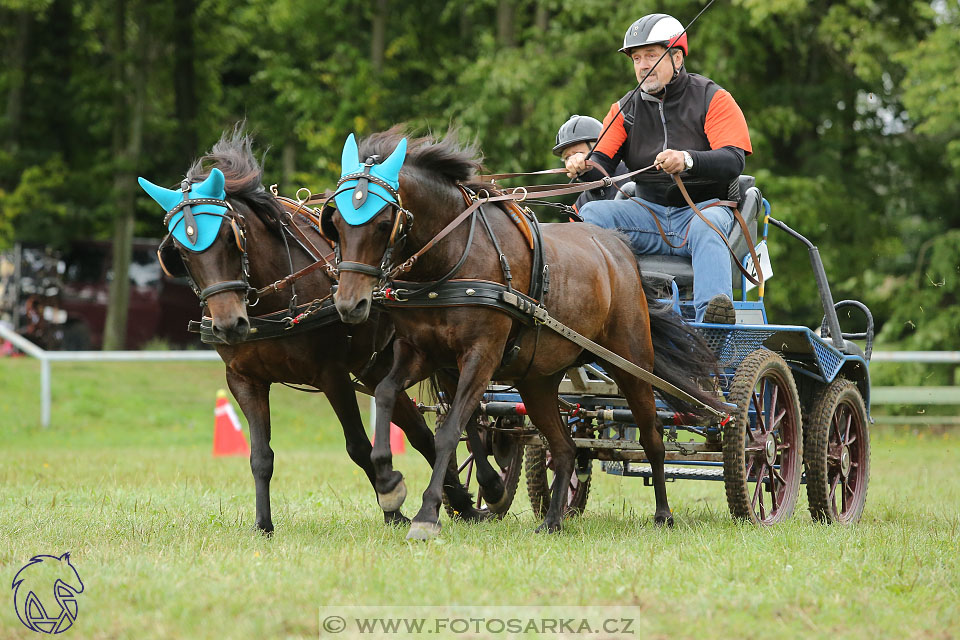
(376,197)
(208,217)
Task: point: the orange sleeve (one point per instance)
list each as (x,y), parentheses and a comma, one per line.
(615,135)
(725,125)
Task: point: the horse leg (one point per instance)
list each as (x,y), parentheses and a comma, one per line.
(540,399)
(253,396)
(642,404)
(408,367)
(488,478)
(475,371)
(343,399)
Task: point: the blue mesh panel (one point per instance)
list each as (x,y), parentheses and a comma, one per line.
(733,345)
(829,360)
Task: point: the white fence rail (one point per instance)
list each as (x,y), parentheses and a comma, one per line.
(879,395)
(46,357)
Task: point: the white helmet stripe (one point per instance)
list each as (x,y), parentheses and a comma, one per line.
(665,29)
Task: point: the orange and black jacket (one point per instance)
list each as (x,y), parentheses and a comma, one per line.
(692,114)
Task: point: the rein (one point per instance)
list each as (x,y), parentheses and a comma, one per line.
(517,194)
(733,206)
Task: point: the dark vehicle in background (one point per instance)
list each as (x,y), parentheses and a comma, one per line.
(58,299)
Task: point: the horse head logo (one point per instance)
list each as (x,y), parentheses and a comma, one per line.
(45,593)
(360,178)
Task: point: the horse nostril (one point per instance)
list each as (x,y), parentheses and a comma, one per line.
(243,326)
(361,307)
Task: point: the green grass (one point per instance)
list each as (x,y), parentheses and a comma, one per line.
(160,531)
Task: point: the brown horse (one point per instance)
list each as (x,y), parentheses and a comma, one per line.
(322,357)
(595,288)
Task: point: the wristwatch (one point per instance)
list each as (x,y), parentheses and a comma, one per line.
(687,160)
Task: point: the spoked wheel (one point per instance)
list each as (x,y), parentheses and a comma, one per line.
(506,456)
(539,469)
(762,443)
(837,454)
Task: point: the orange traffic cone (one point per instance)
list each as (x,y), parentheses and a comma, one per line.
(228,437)
(398,443)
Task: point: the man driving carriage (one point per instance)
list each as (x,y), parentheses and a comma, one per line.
(684,124)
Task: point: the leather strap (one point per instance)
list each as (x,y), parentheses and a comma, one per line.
(489,177)
(518,194)
(542,316)
(743,227)
(359,267)
(220,287)
(283,283)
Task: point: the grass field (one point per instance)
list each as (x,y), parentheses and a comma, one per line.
(160,531)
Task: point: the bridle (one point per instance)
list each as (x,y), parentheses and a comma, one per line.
(237,223)
(402,220)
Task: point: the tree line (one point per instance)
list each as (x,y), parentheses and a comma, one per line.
(852,106)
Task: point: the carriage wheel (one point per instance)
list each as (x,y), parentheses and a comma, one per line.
(539,469)
(762,443)
(507,459)
(837,454)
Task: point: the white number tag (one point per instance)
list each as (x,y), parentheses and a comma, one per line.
(763,253)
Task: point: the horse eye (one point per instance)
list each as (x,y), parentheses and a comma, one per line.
(384,226)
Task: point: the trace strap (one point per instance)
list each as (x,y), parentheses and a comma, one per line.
(541,316)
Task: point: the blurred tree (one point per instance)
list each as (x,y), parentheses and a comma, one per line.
(129,43)
(852,108)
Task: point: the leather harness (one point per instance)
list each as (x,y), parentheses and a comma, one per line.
(526,308)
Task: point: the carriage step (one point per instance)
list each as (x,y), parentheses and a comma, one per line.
(642,470)
(634,470)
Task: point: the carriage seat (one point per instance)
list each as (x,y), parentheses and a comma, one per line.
(666,269)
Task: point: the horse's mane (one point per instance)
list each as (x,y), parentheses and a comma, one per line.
(445,156)
(233,155)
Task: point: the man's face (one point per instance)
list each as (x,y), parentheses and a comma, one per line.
(644,58)
(580,147)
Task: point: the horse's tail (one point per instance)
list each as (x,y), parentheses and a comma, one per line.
(681,356)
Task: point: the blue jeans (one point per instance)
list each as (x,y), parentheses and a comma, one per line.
(711,259)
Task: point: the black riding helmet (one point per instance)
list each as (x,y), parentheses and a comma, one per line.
(577,129)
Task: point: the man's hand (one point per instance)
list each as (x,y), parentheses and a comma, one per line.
(670,161)
(576,163)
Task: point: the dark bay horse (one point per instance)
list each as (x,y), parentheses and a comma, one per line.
(595,289)
(323,357)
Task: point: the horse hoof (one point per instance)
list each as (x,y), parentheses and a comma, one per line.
(393,500)
(478,515)
(423,531)
(548,528)
(499,509)
(494,495)
(661,520)
(395,518)
(264,530)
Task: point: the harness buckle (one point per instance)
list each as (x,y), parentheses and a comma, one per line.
(394,295)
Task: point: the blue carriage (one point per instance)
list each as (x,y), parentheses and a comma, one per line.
(799,405)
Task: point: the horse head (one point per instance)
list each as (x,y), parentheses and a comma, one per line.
(207,243)
(366,223)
